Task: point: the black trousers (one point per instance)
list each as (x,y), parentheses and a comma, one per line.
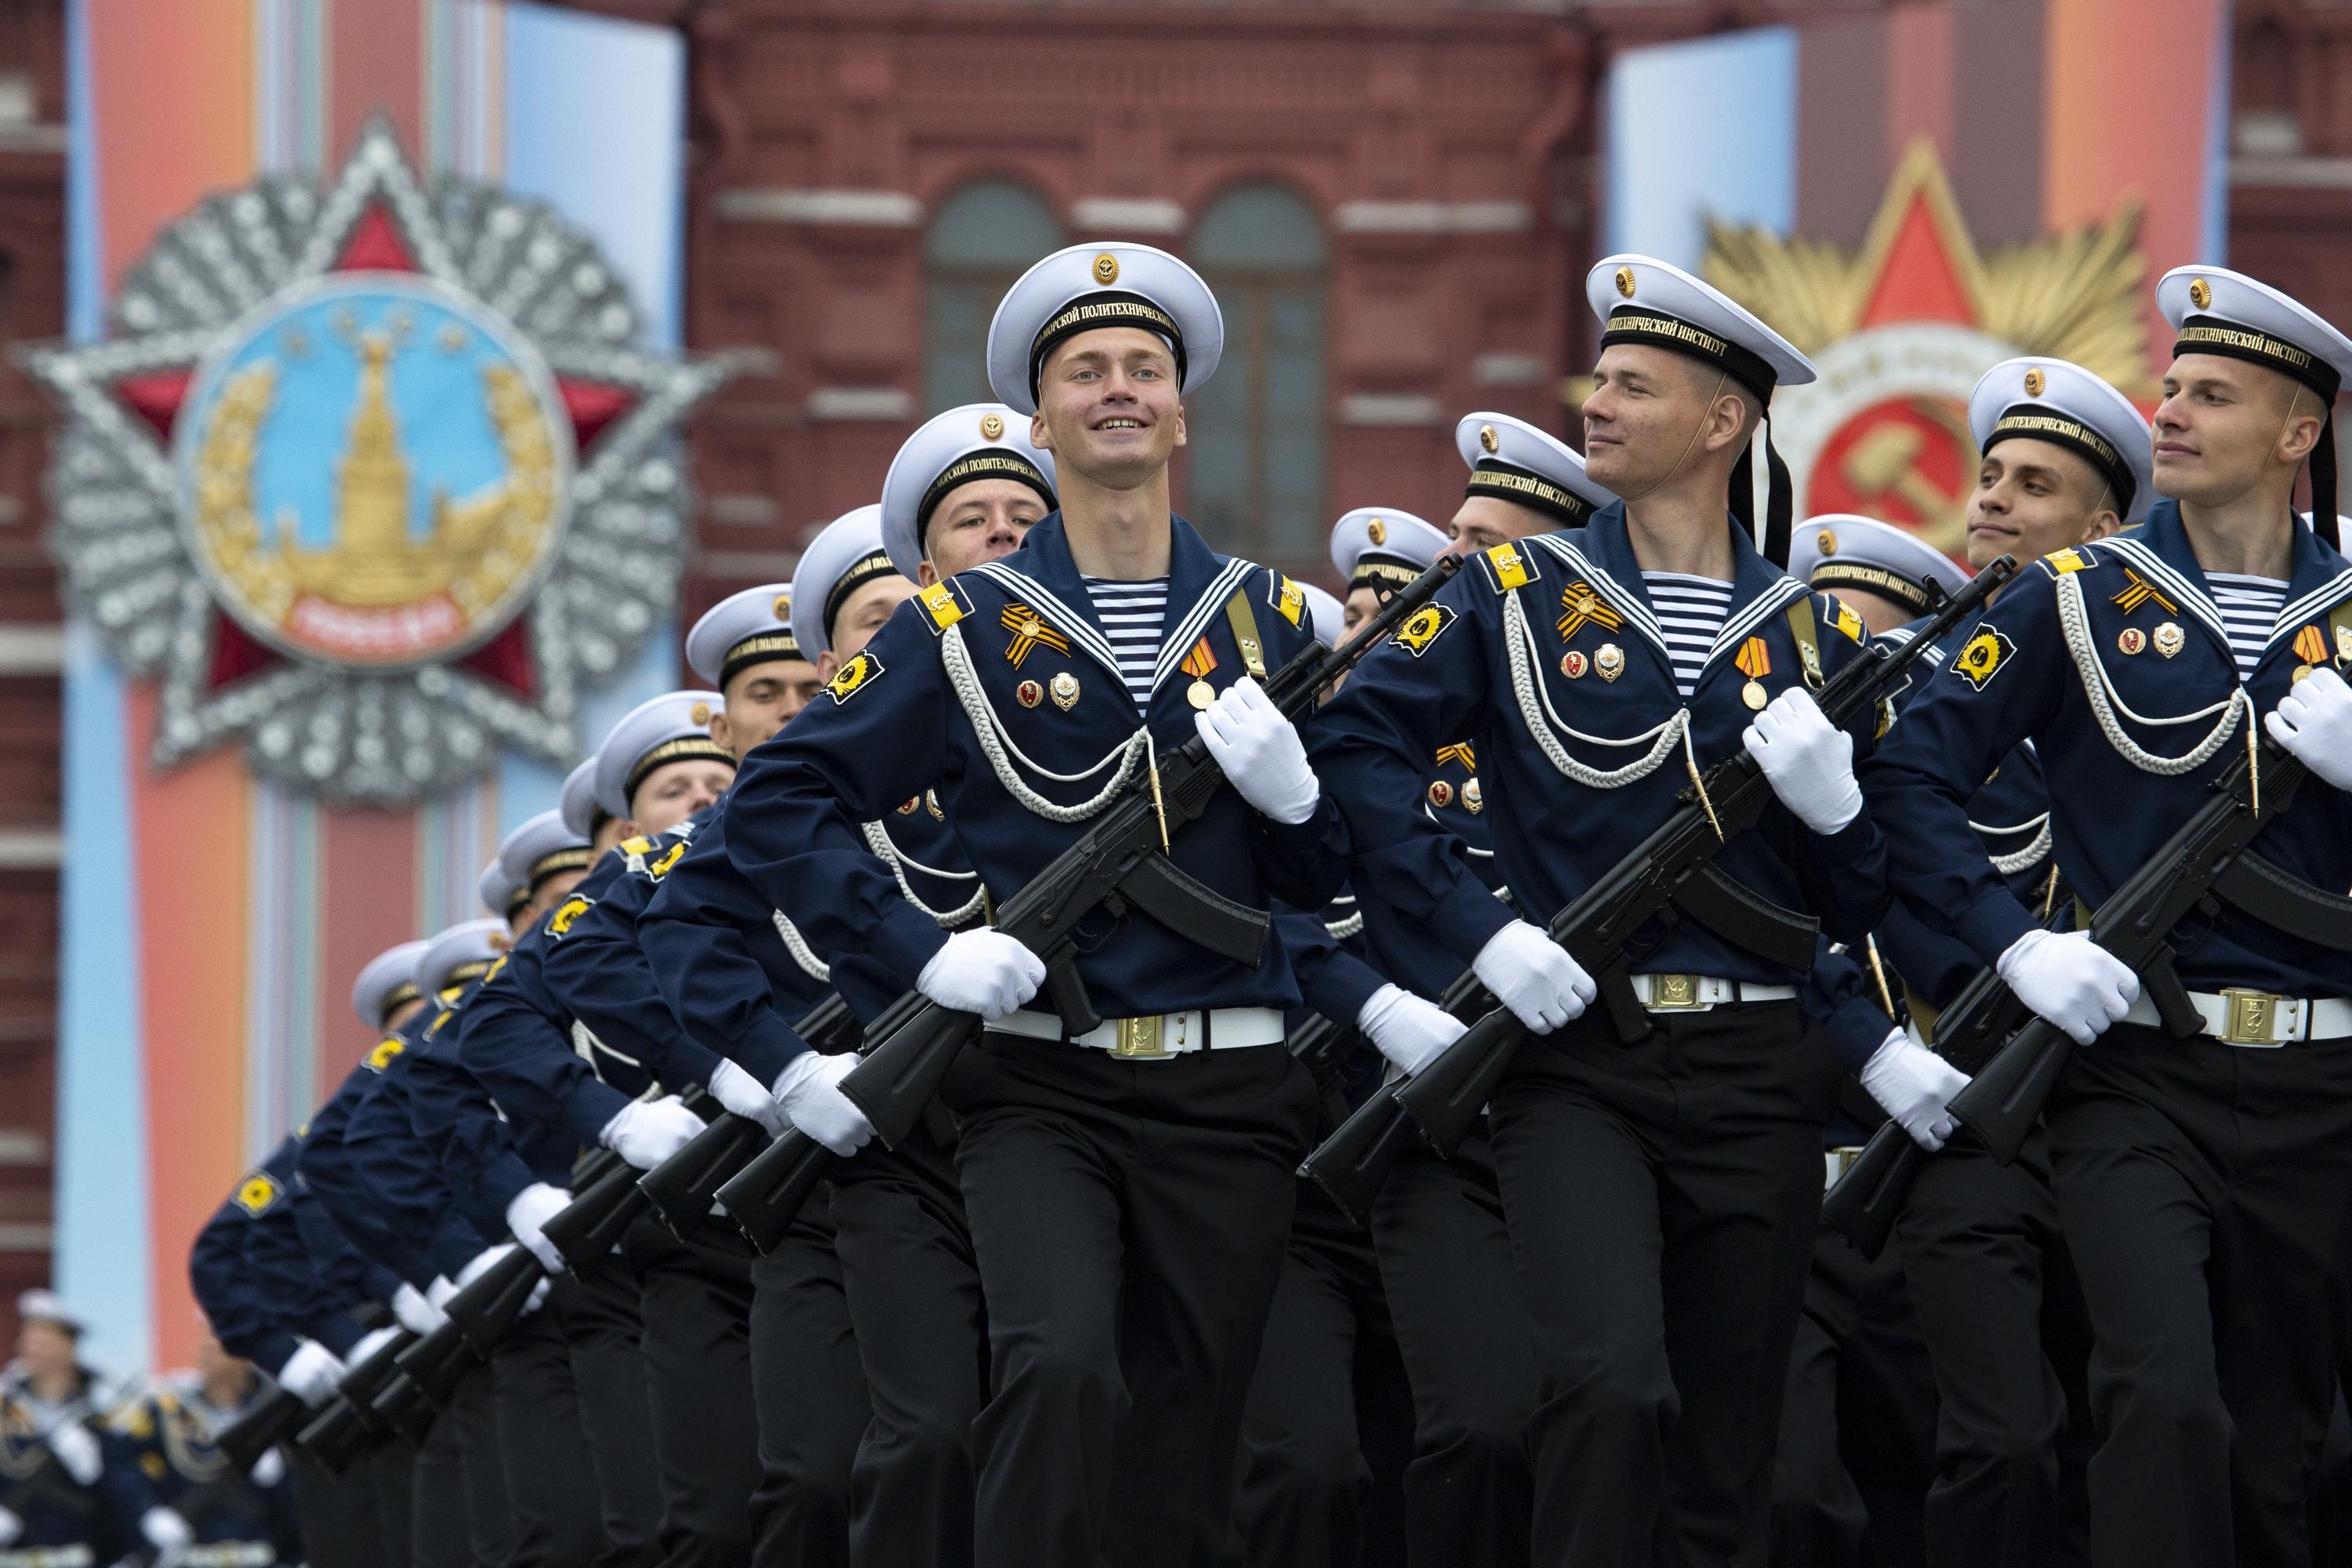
(921,1331)
(1662,1198)
(1468,1344)
(1327,1429)
(2203,1189)
(558,1518)
(1129,1220)
(337,1513)
(604,1331)
(2010,1341)
(391,1470)
(696,1298)
(813,1409)
(458,1490)
(1857,1421)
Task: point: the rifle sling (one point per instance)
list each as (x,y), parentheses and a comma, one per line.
(2280,899)
(1746,920)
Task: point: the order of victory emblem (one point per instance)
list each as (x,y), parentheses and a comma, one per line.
(375,476)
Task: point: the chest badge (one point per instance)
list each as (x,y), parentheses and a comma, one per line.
(1473,799)
(2131,639)
(1029,631)
(1573,663)
(1754,662)
(2169,638)
(2139,590)
(1198,664)
(1029,693)
(1064,689)
(1983,658)
(1608,660)
(1579,604)
(2344,644)
(1440,794)
(1422,627)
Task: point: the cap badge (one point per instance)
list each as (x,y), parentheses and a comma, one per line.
(1377,531)
(1826,541)
(1029,694)
(1106,270)
(2035,381)
(1064,689)
(1488,442)
(2131,639)
(2169,639)
(991,427)
(1610,660)
(1572,664)
(783,606)
(1625,281)
(2200,293)
(699,713)
(1474,798)
(1440,794)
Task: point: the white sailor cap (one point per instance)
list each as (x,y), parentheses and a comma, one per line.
(977,441)
(1512,461)
(2214,310)
(577,799)
(741,630)
(464,952)
(1110,284)
(1329,622)
(1840,550)
(541,847)
(42,1305)
(385,982)
(500,892)
(671,728)
(845,556)
(2055,401)
(1381,547)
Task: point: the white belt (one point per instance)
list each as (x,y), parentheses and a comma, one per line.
(1836,1161)
(2240,1017)
(1697,992)
(1157,1036)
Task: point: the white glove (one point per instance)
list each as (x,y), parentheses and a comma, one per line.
(1406,1029)
(1259,750)
(644,1132)
(533,1208)
(2070,979)
(809,1090)
(10,1527)
(1808,761)
(76,1447)
(165,1531)
(311,1373)
(438,1294)
(1534,977)
(981,971)
(1915,1086)
(375,1340)
(271,1468)
(2314,722)
(416,1311)
(740,1092)
(538,1297)
(482,1263)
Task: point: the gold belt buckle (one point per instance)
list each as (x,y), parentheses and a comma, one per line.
(1674,993)
(1140,1039)
(2252,1016)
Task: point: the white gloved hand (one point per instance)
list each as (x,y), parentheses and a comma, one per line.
(311,1373)
(809,1090)
(1534,977)
(373,1342)
(76,1447)
(1915,1086)
(531,1209)
(740,1092)
(538,1297)
(438,1294)
(1808,761)
(2314,722)
(483,1261)
(271,1468)
(165,1531)
(10,1527)
(1260,752)
(1406,1029)
(981,971)
(644,1132)
(2070,979)
(416,1311)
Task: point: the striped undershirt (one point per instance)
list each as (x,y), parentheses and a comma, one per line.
(1690,611)
(1131,614)
(2250,607)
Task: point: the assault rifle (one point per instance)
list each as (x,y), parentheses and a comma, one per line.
(1120,863)
(347,1425)
(1670,875)
(269,1423)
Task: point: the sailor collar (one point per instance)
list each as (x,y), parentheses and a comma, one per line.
(1602,555)
(2159,551)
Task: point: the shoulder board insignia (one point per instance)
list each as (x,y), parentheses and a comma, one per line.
(559,922)
(1510,567)
(1289,599)
(258,1193)
(1846,621)
(385,1049)
(446,1013)
(1986,654)
(1422,627)
(2061,562)
(853,678)
(944,604)
(636,846)
(660,867)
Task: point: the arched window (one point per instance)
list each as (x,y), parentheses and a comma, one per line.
(1253,457)
(982,239)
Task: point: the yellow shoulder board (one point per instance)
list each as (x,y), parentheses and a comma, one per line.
(940,602)
(1289,600)
(385,1049)
(636,846)
(2062,561)
(1511,567)
(1849,623)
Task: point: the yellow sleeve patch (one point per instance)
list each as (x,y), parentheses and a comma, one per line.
(853,678)
(636,846)
(257,1192)
(671,856)
(559,923)
(385,1049)
(942,605)
(1422,627)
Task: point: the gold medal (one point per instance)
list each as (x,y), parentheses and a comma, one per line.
(1064,689)
(1609,659)
(2169,639)
(1200,694)
(1755,696)
(1029,694)
(2131,639)
(2300,671)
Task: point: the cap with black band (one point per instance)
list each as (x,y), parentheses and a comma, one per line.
(672,728)
(948,451)
(2057,401)
(1840,550)
(1088,287)
(753,627)
(1512,461)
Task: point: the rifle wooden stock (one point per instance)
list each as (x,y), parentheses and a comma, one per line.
(1447,1096)
(275,1417)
